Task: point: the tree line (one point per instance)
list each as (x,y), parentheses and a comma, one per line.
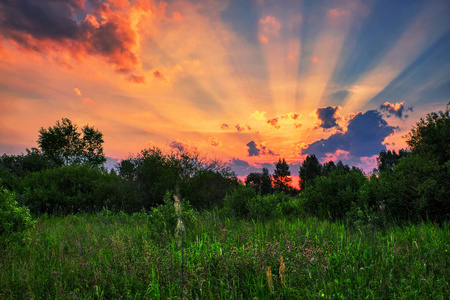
(65,174)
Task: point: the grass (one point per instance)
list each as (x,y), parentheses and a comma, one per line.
(104,256)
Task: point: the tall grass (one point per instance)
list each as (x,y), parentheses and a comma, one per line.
(106,256)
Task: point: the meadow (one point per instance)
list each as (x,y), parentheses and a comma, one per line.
(129,256)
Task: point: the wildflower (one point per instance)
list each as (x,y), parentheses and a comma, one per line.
(323,294)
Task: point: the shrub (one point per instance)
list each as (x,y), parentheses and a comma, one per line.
(72,189)
(15,221)
(163,219)
(237,203)
(332,197)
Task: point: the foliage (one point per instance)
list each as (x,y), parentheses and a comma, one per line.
(163,219)
(237,203)
(15,221)
(387,160)
(14,167)
(332,197)
(414,186)
(76,188)
(309,170)
(202,182)
(271,206)
(431,137)
(281,176)
(64,144)
(261,182)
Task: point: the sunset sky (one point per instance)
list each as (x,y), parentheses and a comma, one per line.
(247,82)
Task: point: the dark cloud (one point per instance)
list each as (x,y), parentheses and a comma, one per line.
(396,109)
(180,146)
(364,137)
(241,167)
(256,150)
(239,128)
(328,116)
(53,25)
(253,149)
(40,19)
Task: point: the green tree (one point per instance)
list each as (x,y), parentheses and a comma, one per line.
(261,182)
(387,160)
(65,146)
(310,169)
(333,196)
(431,136)
(282,176)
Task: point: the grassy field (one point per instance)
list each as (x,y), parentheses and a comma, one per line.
(105,256)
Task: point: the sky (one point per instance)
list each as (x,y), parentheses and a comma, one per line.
(245,82)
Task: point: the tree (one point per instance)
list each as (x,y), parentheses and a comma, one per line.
(282,176)
(64,145)
(387,160)
(431,136)
(260,181)
(310,169)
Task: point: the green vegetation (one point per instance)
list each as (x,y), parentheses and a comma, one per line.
(109,256)
(15,221)
(123,233)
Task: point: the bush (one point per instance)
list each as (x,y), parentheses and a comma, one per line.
(332,197)
(72,189)
(237,204)
(164,218)
(15,221)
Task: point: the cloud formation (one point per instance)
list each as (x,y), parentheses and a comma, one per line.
(136,78)
(178,145)
(273,123)
(253,149)
(213,141)
(396,109)
(257,150)
(84,100)
(78,27)
(328,116)
(364,137)
(268,27)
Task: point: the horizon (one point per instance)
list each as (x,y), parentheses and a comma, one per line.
(246,82)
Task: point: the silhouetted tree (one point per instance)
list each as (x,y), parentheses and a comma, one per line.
(282,176)
(65,146)
(310,169)
(260,181)
(387,160)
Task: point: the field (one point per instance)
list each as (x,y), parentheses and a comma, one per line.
(120,256)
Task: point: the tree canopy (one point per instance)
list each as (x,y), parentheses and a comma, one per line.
(65,145)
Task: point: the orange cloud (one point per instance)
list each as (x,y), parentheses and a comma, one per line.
(107,30)
(158,75)
(273,123)
(136,79)
(89,102)
(213,141)
(78,92)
